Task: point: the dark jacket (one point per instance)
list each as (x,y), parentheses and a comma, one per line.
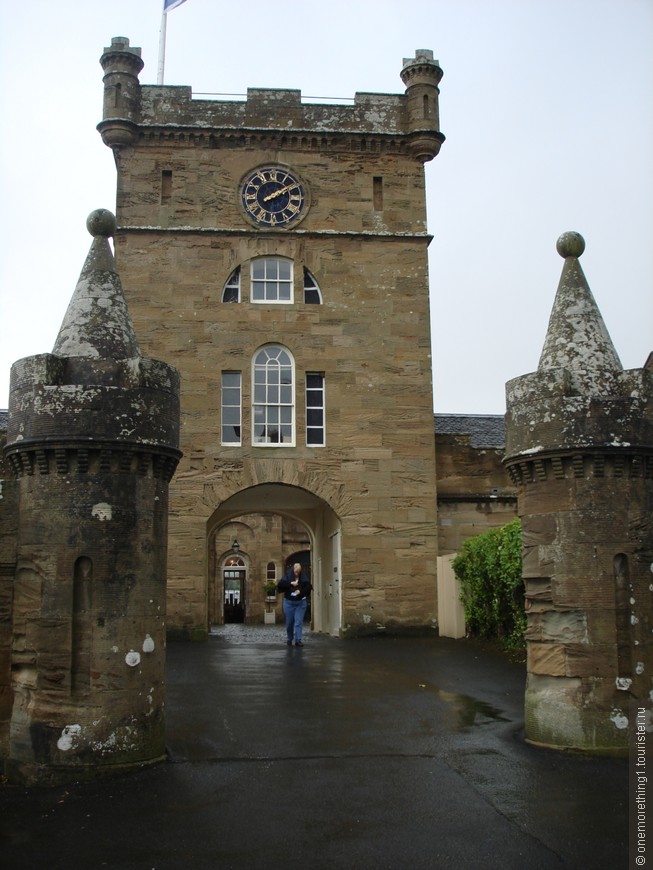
(304,586)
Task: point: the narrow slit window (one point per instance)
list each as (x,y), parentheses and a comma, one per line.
(166,186)
(377,183)
(231,409)
(427,106)
(80,663)
(315,410)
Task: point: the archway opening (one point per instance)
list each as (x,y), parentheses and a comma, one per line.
(266,527)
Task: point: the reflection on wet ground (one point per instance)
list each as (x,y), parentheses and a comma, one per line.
(391,752)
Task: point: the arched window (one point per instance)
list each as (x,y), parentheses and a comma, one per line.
(272,280)
(231,290)
(273,397)
(312,295)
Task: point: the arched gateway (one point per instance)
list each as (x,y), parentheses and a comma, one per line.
(249,539)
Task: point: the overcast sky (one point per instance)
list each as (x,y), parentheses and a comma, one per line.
(547,106)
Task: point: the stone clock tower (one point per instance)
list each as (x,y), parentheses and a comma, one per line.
(275,252)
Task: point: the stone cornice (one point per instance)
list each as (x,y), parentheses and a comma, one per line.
(367,142)
(615,463)
(29,458)
(269,233)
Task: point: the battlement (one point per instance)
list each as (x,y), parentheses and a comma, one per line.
(130,107)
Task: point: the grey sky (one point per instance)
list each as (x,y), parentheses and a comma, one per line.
(547,106)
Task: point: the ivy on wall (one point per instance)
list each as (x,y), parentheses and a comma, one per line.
(489,568)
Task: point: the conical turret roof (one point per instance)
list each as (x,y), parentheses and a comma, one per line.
(97,324)
(577,339)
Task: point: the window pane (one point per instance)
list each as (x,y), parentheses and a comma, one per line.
(314,417)
(286,395)
(231,379)
(231,396)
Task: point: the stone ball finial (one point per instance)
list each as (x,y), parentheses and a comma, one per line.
(101,222)
(570,244)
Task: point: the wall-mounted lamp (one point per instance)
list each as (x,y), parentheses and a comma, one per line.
(235,546)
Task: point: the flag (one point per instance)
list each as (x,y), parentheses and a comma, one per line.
(168,5)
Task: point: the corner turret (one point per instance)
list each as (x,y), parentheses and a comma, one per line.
(421,75)
(122,93)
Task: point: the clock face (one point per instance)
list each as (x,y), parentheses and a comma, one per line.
(273,197)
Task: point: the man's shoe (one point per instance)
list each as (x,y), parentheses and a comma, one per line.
(288,643)
(298,643)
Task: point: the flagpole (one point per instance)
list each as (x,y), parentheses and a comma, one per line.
(162,49)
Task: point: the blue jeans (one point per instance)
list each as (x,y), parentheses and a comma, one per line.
(294,613)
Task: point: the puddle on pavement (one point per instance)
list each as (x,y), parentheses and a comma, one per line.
(470,711)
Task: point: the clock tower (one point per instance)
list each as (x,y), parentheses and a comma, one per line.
(275,252)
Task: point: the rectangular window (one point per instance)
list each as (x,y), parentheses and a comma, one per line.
(231,408)
(271,280)
(315,410)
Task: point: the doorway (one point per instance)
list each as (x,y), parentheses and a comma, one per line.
(234,580)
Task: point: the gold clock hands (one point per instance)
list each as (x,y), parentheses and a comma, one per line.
(276,193)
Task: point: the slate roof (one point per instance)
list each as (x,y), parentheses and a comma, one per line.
(486,430)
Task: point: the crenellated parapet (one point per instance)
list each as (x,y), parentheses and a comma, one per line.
(270,118)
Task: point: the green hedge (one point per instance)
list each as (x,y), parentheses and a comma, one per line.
(490,572)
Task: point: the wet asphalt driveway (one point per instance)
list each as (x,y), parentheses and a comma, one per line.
(374,753)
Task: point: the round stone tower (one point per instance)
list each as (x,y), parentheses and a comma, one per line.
(93,440)
(579,447)
(421,75)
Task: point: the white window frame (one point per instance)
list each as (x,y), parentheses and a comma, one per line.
(313,407)
(273,399)
(226,407)
(275,288)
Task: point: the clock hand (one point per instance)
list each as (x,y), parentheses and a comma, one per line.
(278,192)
